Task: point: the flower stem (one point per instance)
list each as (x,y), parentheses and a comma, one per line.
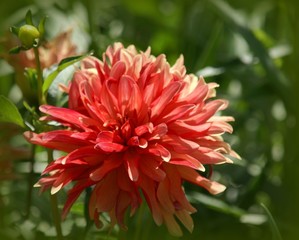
(30,181)
(139,226)
(54,204)
(41,99)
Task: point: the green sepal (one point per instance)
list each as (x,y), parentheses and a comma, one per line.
(15,50)
(14,30)
(41,27)
(28,18)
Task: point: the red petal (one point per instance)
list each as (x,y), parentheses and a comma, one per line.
(68,115)
(186,160)
(104,195)
(183,129)
(179,144)
(109,164)
(160,151)
(131,163)
(150,167)
(118,69)
(166,96)
(124,93)
(192,176)
(208,156)
(146,128)
(80,153)
(163,195)
(177,113)
(110,147)
(148,188)
(63,140)
(158,132)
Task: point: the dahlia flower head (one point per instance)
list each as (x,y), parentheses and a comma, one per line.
(135,126)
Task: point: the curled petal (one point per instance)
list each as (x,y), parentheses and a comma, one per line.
(160,151)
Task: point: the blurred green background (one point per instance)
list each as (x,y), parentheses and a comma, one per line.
(251,48)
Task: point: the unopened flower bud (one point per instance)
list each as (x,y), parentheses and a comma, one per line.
(28,35)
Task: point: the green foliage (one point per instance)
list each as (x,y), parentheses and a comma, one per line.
(61,66)
(9,112)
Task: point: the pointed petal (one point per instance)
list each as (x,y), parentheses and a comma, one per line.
(131,163)
(171,224)
(118,69)
(110,147)
(179,144)
(108,165)
(124,93)
(150,167)
(166,96)
(163,196)
(186,219)
(192,176)
(177,112)
(67,115)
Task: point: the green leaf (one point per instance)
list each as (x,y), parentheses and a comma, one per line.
(61,66)
(28,18)
(234,20)
(273,225)
(216,204)
(9,112)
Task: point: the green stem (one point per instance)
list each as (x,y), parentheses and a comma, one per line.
(41,99)
(275,231)
(30,181)
(54,204)
(139,226)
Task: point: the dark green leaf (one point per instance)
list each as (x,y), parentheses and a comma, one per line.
(62,65)
(9,112)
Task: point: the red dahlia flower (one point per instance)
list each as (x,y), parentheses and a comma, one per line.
(135,123)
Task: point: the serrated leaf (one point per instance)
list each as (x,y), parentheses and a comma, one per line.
(9,112)
(61,66)
(28,18)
